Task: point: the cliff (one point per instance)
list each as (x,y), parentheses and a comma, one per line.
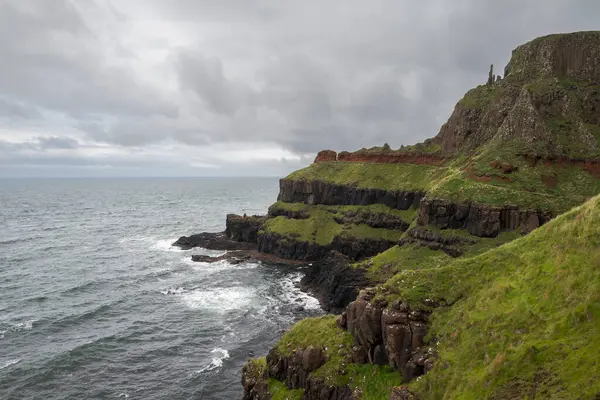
(458,295)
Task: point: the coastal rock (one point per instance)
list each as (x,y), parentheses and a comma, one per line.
(243,228)
(211,241)
(334,282)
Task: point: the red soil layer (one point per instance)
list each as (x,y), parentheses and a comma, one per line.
(591,166)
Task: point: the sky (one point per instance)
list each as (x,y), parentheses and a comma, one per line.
(243,87)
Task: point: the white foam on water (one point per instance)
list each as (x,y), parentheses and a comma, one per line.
(165,245)
(26,325)
(4,364)
(292,293)
(2,334)
(217,361)
(173,291)
(217,266)
(219,300)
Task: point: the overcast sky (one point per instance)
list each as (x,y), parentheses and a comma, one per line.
(243,87)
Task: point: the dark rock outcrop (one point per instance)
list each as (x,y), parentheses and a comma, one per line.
(290,248)
(295,370)
(211,241)
(334,281)
(479,220)
(318,192)
(392,334)
(243,228)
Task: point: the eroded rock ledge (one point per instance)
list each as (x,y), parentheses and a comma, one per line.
(319,192)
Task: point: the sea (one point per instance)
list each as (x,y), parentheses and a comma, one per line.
(95,303)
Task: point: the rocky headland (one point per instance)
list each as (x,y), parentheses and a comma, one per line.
(467,260)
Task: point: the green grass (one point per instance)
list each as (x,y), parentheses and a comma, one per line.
(375,382)
(401,258)
(319,228)
(528,311)
(481,96)
(279,391)
(407,177)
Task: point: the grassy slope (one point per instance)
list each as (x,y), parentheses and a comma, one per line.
(526,312)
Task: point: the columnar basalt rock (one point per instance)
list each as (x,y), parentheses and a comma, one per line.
(319,192)
(478,219)
(294,371)
(388,334)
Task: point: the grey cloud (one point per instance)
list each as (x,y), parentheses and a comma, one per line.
(302,75)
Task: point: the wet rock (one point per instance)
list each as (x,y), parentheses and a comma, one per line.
(211,241)
(334,281)
(243,228)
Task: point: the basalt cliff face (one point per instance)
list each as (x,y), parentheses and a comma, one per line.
(417,249)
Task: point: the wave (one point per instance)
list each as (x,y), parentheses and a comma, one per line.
(25,325)
(5,364)
(219,300)
(20,240)
(217,361)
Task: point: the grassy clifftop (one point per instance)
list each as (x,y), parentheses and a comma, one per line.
(525,319)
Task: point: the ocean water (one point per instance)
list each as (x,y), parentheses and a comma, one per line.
(95,304)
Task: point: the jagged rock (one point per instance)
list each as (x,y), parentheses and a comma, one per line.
(211,241)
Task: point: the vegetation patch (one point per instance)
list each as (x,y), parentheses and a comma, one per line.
(279,391)
(375,382)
